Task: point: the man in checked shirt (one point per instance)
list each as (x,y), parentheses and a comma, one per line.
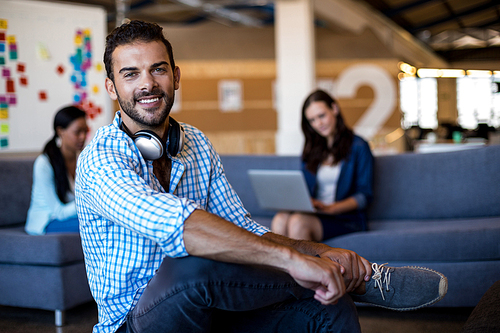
(168,244)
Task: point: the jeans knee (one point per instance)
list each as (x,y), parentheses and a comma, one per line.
(308,315)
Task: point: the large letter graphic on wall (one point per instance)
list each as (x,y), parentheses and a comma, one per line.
(384,101)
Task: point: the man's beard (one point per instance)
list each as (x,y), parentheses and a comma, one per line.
(159,120)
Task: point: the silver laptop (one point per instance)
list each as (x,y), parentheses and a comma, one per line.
(281,190)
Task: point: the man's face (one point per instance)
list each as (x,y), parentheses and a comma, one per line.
(144,83)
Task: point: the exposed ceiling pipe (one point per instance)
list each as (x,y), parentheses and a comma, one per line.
(122,9)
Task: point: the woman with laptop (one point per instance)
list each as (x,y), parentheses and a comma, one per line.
(338,168)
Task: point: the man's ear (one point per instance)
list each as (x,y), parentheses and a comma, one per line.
(111,89)
(177,77)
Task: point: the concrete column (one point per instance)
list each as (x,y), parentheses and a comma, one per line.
(295,70)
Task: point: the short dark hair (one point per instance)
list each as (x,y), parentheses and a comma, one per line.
(134,31)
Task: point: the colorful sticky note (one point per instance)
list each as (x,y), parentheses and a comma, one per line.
(4,128)
(23,81)
(60,69)
(95,89)
(10,87)
(42,95)
(4,142)
(42,51)
(12,100)
(5,72)
(98,67)
(3,24)
(2,60)
(2,36)
(13,55)
(21,68)
(2,47)
(78,40)
(4,113)
(11,39)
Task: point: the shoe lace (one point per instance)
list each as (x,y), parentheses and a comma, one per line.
(378,271)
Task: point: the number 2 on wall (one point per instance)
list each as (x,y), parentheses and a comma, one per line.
(384,102)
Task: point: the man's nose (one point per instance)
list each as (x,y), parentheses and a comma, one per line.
(147,82)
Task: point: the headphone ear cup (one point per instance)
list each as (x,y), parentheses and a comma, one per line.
(175,137)
(149,144)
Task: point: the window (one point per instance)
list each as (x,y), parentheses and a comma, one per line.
(477,103)
(418,100)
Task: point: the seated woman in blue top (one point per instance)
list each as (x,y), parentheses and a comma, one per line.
(52,207)
(338,168)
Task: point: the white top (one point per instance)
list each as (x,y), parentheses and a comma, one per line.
(45,205)
(327,178)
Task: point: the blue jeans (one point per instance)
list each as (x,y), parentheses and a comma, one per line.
(199,295)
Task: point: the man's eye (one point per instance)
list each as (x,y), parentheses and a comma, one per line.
(128,75)
(160,70)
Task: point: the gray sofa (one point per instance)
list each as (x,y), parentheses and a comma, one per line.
(436,210)
(439,210)
(41,272)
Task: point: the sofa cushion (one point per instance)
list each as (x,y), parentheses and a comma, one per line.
(461,184)
(17,247)
(15,190)
(426,240)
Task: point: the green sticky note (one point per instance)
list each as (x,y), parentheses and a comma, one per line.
(4,128)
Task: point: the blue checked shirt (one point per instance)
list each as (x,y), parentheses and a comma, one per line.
(128,222)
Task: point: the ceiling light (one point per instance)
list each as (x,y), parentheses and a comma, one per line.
(452,73)
(477,73)
(428,72)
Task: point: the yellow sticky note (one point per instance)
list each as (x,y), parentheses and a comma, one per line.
(3,24)
(42,51)
(4,128)
(86,32)
(78,40)
(11,39)
(95,89)
(98,67)
(4,114)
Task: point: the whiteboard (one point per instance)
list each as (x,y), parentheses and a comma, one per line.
(50,57)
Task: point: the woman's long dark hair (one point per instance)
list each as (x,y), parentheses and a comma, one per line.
(63,119)
(316,149)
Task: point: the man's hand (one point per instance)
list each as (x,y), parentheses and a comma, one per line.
(357,269)
(321,275)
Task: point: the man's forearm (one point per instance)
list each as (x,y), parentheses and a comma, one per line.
(303,246)
(209,236)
